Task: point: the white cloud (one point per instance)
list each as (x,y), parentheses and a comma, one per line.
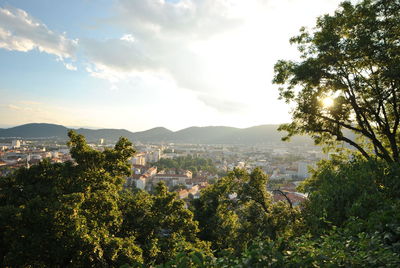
(118,55)
(160,39)
(70,66)
(25,106)
(220,48)
(14,107)
(223,105)
(128,38)
(194,19)
(21,32)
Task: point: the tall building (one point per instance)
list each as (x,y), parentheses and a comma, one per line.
(153,156)
(139,159)
(157,155)
(16,144)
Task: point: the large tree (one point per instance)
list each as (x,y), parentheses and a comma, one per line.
(346,85)
(238,207)
(67,214)
(160,223)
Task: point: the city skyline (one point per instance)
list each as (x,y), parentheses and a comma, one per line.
(143,64)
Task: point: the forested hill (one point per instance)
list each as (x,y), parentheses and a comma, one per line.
(202,135)
(35,130)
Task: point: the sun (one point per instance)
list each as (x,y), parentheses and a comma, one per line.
(327,102)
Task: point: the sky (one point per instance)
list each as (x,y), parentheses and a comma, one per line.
(139,64)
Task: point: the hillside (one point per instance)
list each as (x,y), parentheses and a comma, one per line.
(35,130)
(198,135)
(151,135)
(204,135)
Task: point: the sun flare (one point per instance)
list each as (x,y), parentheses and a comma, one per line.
(327,102)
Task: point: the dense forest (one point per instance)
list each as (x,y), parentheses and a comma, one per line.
(77,214)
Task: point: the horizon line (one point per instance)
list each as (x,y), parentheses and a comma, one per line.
(102,128)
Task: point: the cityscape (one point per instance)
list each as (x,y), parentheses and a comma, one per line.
(286,164)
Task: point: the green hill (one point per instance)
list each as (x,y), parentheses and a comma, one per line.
(197,135)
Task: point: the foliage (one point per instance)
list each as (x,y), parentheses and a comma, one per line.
(190,259)
(338,248)
(58,214)
(350,220)
(161,224)
(353,58)
(77,214)
(239,208)
(194,164)
(341,248)
(341,190)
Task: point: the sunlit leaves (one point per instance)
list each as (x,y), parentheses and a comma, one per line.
(354,56)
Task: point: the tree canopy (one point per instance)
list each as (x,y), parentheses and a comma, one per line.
(77,214)
(347,79)
(194,164)
(238,207)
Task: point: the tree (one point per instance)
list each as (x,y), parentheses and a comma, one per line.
(194,164)
(239,208)
(67,214)
(348,79)
(341,190)
(161,224)
(214,211)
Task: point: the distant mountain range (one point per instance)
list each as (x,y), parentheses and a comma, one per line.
(196,135)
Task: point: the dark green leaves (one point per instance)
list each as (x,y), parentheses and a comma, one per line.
(353,57)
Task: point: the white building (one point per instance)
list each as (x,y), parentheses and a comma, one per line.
(157,155)
(3,147)
(16,144)
(36,157)
(153,156)
(170,179)
(139,159)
